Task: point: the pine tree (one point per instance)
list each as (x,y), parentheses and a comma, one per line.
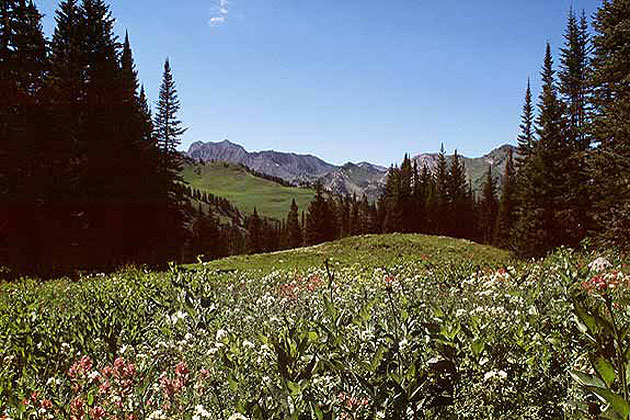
(442,200)
(167,134)
(506,215)
(542,176)
(458,217)
(23,67)
(320,226)
(255,243)
(526,137)
(574,83)
(488,208)
(610,161)
(575,90)
(294,231)
(168,128)
(405,196)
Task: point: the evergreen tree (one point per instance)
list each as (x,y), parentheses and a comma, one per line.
(575,90)
(168,128)
(574,83)
(255,243)
(167,133)
(488,208)
(541,222)
(610,161)
(458,217)
(23,67)
(405,196)
(441,215)
(526,138)
(206,239)
(506,215)
(320,226)
(294,231)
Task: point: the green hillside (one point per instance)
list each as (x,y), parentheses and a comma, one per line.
(245,190)
(369,251)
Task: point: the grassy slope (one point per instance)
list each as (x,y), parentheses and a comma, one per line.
(371,251)
(245,190)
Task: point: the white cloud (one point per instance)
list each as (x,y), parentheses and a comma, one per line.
(220,13)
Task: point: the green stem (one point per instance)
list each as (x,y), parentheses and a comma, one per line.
(621,365)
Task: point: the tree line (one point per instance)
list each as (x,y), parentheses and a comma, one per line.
(89,177)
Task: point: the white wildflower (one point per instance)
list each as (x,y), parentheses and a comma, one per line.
(599,265)
(222,336)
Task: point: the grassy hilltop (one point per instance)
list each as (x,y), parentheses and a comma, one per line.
(246,190)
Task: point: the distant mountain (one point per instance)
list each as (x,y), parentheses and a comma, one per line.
(362,178)
(289,166)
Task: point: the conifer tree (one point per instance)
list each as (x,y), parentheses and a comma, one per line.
(575,90)
(610,161)
(167,134)
(168,128)
(294,231)
(506,215)
(526,137)
(488,208)
(441,198)
(23,67)
(458,215)
(574,83)
(320,226)
(255,243)
(542,177)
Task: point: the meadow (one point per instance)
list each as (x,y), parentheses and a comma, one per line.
(246,190)
(385,327)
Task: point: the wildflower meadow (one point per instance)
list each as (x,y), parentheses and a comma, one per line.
(325,333)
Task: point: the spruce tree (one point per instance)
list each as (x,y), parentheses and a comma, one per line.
(320,226)
(575,91)
(526,137)
(294,231)
(167,134)
(255,243)
(542,215)
(441,198)
(488,208)
(610,161)
(458,217)
(506,215)
(23,68)
(168,128)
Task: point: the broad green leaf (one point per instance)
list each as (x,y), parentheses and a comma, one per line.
(605,370)
(587,380)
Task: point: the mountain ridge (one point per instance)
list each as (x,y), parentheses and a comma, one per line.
(363,178)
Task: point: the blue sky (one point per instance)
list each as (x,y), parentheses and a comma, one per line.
(348,80)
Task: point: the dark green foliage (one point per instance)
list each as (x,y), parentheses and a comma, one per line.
(422,202)
(526,136)
(206,240)
(320,221)
(294,231)
(610,161)
(255,234)
(544,220)
(488,208)
(23,67)
(507,206)
(574,79)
